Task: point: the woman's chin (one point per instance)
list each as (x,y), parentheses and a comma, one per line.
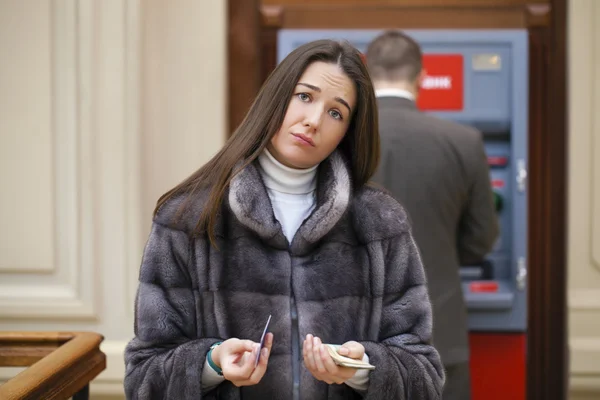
(298,161)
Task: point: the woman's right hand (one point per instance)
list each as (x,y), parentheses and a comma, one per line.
(236,358)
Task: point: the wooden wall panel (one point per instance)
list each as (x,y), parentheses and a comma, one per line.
(244,72)
(407,3)
(548,365)
(484,14)
(395,17)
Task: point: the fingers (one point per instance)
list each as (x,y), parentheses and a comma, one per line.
(308,353)
(336,373)
(313,359)
(239,369)
(330,366)
(320,364)
(240,346)
(353,350)
(269,342)
(265,351)
(261,368)
(232,353)
(244,373)
(317,345)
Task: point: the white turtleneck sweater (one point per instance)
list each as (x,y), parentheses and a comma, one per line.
(291,191)
(293,197)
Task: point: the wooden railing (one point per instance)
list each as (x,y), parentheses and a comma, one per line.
(60,364)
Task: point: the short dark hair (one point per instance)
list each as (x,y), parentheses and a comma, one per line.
(394,56)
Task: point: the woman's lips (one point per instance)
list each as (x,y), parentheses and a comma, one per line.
(304,138)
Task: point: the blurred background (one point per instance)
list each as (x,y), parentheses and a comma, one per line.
(105,105)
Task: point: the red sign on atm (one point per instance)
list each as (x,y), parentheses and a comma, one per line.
(442,87)
(497,183)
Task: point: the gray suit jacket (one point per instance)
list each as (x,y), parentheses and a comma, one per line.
(438,171)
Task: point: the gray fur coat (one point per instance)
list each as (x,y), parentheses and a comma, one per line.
(352,272)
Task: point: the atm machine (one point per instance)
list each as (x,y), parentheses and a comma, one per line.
(480,78)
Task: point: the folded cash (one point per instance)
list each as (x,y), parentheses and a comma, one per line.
(346,361)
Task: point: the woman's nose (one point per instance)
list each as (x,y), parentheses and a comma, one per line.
(312,118)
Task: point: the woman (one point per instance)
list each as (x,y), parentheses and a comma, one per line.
(281,222)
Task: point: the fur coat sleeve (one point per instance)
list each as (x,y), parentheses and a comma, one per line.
(408,366)
(165,359)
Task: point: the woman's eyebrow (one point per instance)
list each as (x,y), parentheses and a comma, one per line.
(318,89)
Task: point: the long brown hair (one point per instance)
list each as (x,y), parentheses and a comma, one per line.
(360,145)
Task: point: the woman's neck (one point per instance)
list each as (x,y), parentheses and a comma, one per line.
(284,179)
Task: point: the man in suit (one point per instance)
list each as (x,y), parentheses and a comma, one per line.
(438,170)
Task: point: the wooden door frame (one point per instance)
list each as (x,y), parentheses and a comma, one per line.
(547,365)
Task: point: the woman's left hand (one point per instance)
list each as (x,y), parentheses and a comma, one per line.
(320,364)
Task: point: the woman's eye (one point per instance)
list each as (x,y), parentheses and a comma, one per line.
(303,97)
(335,114)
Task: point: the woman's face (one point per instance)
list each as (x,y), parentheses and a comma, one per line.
(317,117)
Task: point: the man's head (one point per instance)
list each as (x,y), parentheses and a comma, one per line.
(395,60)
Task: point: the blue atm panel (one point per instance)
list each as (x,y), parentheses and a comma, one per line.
(495,101)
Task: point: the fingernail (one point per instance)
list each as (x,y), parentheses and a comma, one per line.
(265,353)
(344,351)
(315,342)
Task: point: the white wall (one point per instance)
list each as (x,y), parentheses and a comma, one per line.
(584,197)
(104,105)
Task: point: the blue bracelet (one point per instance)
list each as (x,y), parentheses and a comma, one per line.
(210,360)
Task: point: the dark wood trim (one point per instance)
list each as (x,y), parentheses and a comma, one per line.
(244,58)
(407,3)
(319,17)
(269,51)
(538,93)
(548,366)
(272,16)
(537,15)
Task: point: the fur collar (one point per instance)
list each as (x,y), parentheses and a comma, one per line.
(250,203)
